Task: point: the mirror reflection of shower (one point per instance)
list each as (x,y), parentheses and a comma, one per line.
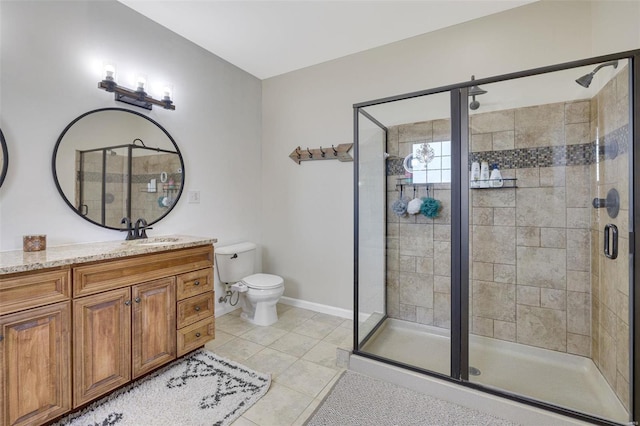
(473,92)
(585,80)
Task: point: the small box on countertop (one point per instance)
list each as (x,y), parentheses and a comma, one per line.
(34,242)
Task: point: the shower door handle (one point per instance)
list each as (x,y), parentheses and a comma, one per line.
(611,241)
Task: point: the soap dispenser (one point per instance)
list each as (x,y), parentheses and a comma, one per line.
(484,175)
(475,175)
(496,177)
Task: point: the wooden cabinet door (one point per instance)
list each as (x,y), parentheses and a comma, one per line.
(35,362)
(154,324)
(102,344)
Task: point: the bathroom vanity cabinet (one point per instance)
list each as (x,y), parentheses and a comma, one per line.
(69,335)
(120,335)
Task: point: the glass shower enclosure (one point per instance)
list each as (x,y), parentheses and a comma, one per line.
(518,279)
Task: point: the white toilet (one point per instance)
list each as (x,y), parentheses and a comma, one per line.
(259,292)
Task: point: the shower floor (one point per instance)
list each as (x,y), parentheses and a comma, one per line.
(562,379)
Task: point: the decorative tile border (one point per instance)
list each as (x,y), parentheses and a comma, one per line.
(614,143)
(137,178)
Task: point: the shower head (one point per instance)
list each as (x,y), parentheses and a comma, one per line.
(585,80)
(473,92)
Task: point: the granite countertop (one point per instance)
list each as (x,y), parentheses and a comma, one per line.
(20,261)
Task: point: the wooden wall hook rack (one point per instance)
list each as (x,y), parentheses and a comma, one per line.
(340,153)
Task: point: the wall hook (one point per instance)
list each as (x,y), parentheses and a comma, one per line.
(340,153)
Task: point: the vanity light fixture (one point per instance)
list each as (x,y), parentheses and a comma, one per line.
(136,97)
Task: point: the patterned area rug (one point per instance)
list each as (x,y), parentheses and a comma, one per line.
(358,400)
(200,389)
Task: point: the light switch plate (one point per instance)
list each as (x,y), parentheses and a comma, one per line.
(193,197)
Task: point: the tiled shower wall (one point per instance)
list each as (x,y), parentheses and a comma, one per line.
(531,247)
(418,248)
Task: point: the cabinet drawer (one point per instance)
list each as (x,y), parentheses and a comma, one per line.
(194,283)
(194,309)
(33,289)
(108,275)
(195,335)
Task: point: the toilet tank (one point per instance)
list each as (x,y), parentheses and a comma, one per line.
(235,262)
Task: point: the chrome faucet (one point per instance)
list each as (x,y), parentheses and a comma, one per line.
(141,227)
(128,229)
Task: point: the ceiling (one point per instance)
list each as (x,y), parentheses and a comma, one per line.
(269,38)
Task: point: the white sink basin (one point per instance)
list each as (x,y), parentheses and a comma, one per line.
(153,241)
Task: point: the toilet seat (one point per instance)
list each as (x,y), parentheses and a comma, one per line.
(263,281)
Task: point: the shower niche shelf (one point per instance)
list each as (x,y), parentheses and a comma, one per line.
(506,183)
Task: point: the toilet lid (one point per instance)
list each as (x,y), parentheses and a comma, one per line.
(263,281)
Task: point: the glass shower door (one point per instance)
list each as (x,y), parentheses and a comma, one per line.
(549,252)
(404,224)
(370,285)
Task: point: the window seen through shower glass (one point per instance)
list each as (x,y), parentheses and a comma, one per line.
(431,162)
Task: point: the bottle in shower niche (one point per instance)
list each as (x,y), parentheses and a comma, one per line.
(496,177)
(475,175)
(484,175)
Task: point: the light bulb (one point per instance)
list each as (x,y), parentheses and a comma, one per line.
(110,72)
(141,80)
(167,91)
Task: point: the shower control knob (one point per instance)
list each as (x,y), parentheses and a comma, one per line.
(611,203)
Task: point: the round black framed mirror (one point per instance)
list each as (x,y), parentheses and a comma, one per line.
(112,163)
(4,157)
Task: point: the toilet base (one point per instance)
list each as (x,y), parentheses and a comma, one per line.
(259,307)
(264,320)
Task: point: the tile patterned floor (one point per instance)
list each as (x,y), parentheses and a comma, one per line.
(300,353)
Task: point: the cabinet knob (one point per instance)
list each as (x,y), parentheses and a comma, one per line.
(197,308)
(198,334)
(127,302)
(137,300)
(196,282)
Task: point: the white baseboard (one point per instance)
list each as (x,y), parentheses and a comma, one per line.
(317,307)
(225,309)
(303,304)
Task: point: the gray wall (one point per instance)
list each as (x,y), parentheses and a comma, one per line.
(308,209)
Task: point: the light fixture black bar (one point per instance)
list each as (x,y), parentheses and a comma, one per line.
(133,97)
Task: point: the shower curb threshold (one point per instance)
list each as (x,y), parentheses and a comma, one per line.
(470,398)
